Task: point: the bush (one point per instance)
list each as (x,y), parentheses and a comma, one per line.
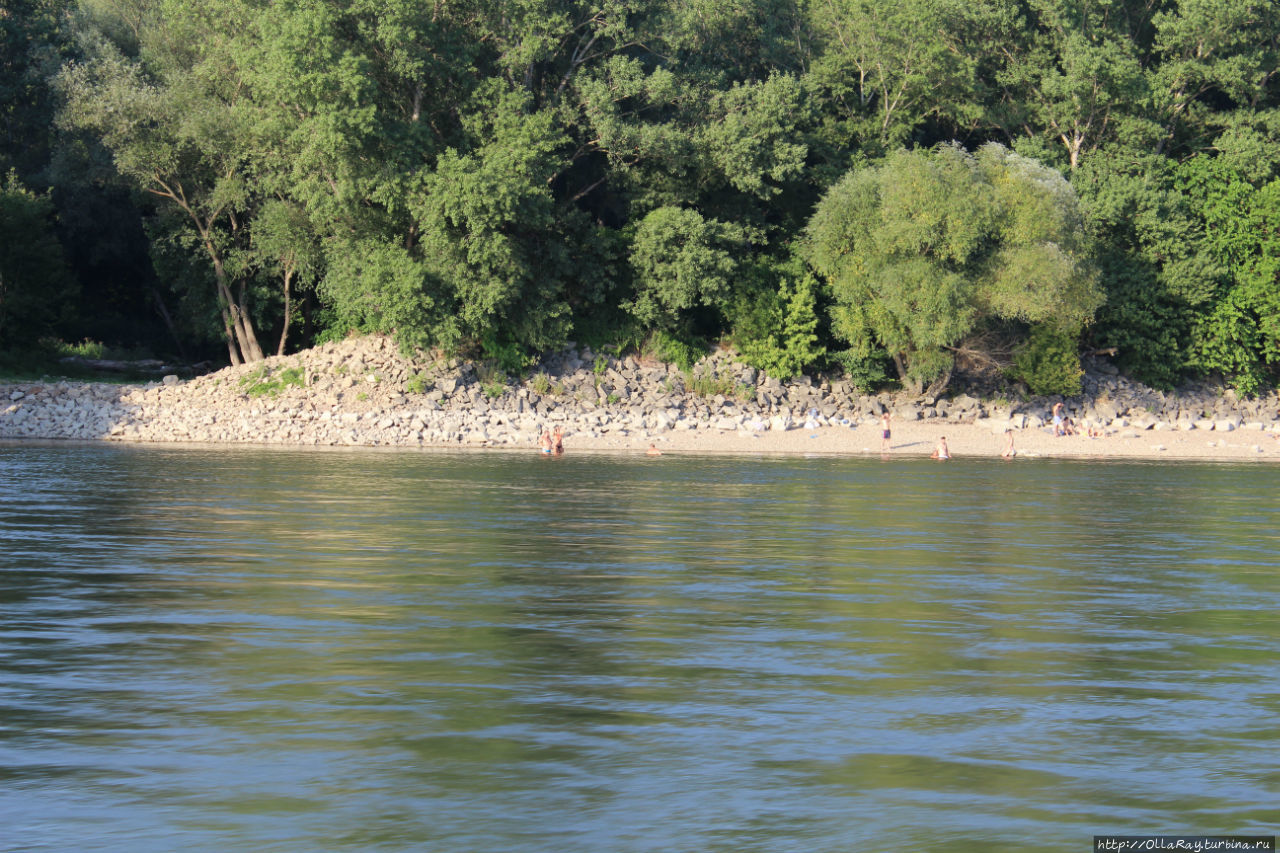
(668,348)
(780,336)
(867,372)
(1049,363)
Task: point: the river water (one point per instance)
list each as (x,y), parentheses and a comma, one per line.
(251,649)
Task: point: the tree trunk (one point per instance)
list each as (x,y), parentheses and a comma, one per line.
(937,386)
(899,364)
(168,322)
(232,352)
(244,326)
(288,306)
(235,321)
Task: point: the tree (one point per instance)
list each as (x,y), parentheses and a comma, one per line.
(34,40)
(885,69)
(1237,330)
(1156,269)
(922,248)
(682,261)
(285,241)
(179,129)
(1215,58)
(35,285)
(1075,80)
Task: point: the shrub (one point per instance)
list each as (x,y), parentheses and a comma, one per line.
(666,347)
(1049,363)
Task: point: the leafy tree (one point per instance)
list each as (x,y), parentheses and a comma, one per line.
(1215,57)
(376,285)
(491,233)
(882,70)
(925,246)
(1048,362)
(34,40)
(1076,79)
(36,287)
(682,261)
(1238,332)
(1156,269)
(179,131)
(285,241)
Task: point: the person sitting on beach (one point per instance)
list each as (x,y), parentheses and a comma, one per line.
(1008,452)
(941,451)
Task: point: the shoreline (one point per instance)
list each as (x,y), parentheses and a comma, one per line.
(363,393)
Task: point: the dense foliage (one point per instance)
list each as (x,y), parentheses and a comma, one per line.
(844,183)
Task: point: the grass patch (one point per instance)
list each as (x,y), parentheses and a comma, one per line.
(264,382)
(711,386)
(418,383)
(542,384)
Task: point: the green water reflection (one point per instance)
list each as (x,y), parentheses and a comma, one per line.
(277,650)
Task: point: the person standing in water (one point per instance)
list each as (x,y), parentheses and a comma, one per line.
(941,451)
(1008,452)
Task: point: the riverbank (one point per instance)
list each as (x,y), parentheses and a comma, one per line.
(364,392)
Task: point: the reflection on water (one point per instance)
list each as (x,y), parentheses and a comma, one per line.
(278,650)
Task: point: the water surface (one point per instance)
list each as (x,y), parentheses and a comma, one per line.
(251,649)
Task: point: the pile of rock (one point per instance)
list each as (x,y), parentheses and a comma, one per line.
(363,391)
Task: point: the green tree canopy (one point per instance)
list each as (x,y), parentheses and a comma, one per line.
(35,284)
(924,246)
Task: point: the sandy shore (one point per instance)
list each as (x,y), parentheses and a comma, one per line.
(919,439)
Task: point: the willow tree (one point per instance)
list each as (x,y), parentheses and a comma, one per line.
(924,247)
